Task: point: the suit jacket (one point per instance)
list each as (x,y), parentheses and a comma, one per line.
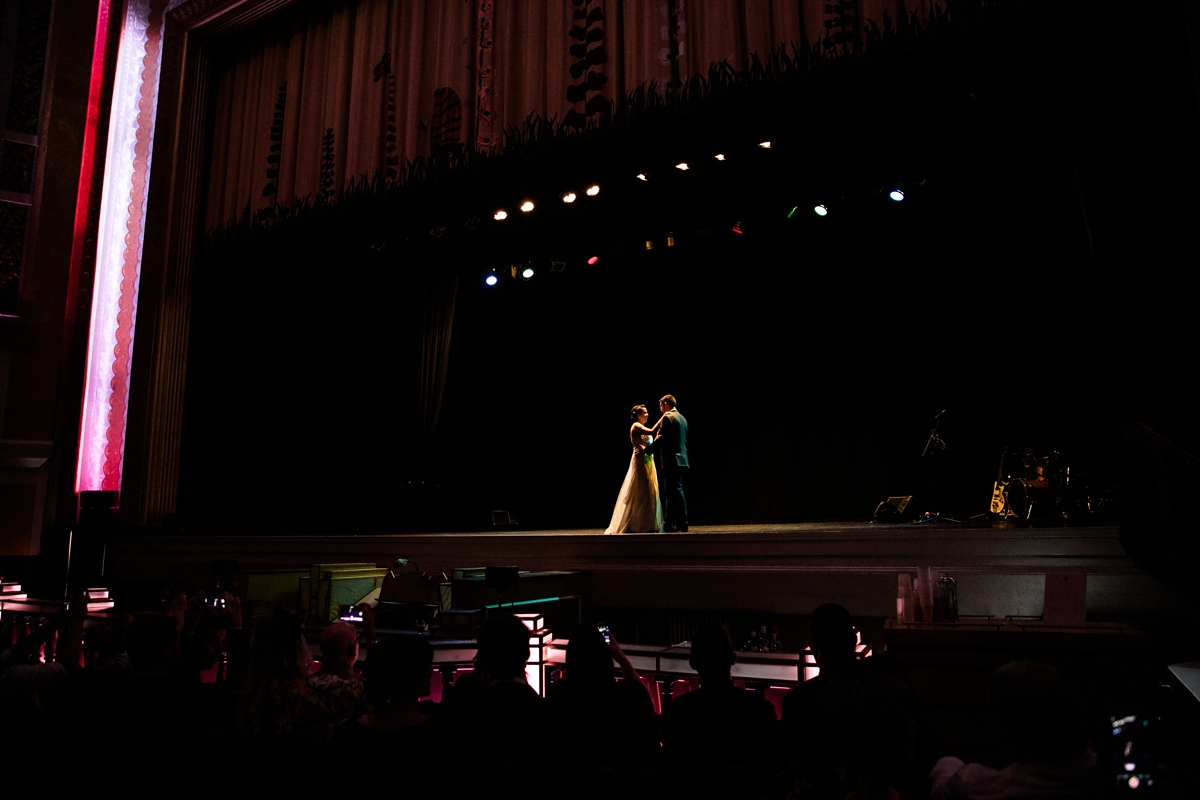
(672,441)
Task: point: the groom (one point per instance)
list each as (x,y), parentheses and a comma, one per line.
(672,443)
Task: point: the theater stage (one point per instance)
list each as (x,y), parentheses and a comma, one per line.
(780,569)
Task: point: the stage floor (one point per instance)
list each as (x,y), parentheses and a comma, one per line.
(772,568)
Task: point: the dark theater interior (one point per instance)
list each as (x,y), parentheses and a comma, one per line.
(349,350)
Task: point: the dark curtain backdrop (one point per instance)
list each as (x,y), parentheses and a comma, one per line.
(333,90)
(437,323)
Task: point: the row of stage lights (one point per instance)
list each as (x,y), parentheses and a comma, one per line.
(593,190)
(526,272)
(684,166)
(528,205)
(895,194)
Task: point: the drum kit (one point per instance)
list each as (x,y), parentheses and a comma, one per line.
(1041,489)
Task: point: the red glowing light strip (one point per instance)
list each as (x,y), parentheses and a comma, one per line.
(87,167)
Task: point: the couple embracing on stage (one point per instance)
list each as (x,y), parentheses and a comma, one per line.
(640,507)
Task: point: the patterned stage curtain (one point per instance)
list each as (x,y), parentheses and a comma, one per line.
(330,91)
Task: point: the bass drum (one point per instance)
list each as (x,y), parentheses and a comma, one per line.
(1030,500)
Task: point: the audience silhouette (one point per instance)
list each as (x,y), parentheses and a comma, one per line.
(144,688)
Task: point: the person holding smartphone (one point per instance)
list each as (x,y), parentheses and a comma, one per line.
(603,720)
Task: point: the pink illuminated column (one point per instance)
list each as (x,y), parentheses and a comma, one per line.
(126,184)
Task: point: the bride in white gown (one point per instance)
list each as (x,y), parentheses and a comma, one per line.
(639,509)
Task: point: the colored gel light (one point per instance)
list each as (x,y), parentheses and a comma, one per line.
(896,195)
(593,260)
(821,210)
(527,273)
(491,280)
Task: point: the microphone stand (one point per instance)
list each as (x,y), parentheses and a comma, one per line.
(935,441)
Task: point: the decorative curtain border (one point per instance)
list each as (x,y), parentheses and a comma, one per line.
(119,246)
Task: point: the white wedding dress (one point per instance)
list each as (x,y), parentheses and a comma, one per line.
(638,509)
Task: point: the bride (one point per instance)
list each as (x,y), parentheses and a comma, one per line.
(639,509)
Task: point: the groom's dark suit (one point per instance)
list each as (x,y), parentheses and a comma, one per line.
(672,444)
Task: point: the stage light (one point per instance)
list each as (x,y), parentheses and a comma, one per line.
(737,227)
(719,156)
(792,212)
(593,190)
(671,239)
(569,197)
(682,166)
(821,210)
(527,206)
(492,279)
(641,176)
(765,145)
(527,273)
(438,231)
(593,260)
(501,214)
(896,194)
(649,244)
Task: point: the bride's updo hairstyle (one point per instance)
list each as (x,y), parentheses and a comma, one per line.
(635,411)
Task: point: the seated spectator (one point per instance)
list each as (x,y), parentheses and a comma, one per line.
(29,671)
(107,648)
(832,640)
(153,645)
(605,721)
(399,673)
(717,724)
(338,681)
(1040,723)
(277,698)
(493,708)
